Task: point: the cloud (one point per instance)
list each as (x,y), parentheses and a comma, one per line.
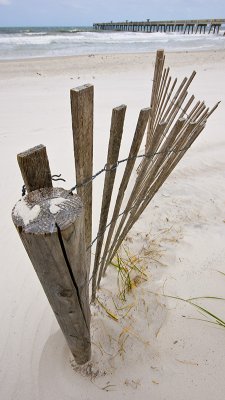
(5,2)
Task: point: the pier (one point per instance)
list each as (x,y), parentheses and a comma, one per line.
(185,26)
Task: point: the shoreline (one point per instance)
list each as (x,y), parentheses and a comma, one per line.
(75,56)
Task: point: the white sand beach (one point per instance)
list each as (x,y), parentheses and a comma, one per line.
(161,349)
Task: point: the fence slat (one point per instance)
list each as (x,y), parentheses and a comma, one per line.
(185,109)
(157,140)
(213,109)
(189,135)
(178,96)
(159,63)
(131,199)
(116,131)
(135,146)
(166,99)
(184,141)
(151,172)
(82,108)
(34,167)
(164,88)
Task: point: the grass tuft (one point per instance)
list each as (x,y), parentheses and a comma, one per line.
(131,272)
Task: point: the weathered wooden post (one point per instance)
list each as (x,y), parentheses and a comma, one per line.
(50,223)
(82,109)
(35,169)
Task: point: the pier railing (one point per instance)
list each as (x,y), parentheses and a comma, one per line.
(185,26)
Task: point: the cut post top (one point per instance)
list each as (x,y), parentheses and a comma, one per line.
(43,210)
(82,87)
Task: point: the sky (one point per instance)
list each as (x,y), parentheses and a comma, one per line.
(86,12)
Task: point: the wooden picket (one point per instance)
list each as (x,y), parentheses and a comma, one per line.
(172,128)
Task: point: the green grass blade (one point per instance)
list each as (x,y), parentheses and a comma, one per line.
(219,320)
(206,297)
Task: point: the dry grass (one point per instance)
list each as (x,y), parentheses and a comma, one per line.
(131,272)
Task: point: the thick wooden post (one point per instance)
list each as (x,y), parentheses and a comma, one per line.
(50,223)
(82,106)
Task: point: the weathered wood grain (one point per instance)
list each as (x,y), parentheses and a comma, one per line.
(185,141)
(116,131)
(143,181)
(179,95)
(164,89)
(138,182)
(50,223)
(82,109)
(147,168)
(34,167)
(213,109)
(159,63)
(185,109)
(135,146)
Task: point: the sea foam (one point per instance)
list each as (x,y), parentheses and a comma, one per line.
(47,42)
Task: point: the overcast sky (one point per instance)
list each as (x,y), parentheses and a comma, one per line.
(85,12)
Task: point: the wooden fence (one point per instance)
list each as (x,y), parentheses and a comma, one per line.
(55,225)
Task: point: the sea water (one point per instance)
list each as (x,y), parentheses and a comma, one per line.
(30,42)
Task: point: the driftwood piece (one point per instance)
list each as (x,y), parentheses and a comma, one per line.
(35,168)
(116,131)
(82,108)
(50,223)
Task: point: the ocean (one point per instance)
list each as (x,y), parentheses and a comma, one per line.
(31,42)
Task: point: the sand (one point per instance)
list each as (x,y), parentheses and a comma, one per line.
(160,349)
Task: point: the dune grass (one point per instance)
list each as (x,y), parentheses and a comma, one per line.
(211,317)
(131,272)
